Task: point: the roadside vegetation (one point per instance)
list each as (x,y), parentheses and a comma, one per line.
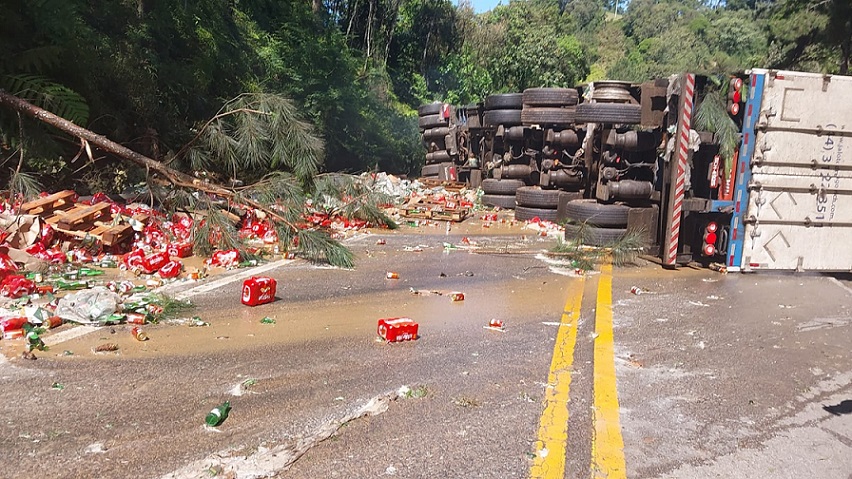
(272,100)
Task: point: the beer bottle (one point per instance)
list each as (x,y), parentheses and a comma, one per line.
(218,414)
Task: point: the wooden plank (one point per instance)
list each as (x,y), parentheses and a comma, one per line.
(457,216)
(50,203)
(87,214)
(116,234)
(59,214)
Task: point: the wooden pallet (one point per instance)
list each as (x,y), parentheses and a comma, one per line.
(84,221)
(454,186)
(434,211)
(62,200)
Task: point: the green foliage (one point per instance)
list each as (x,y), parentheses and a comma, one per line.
(811,34)
(23,185)
(353,197)
(58,99)
(538,47)
(712,115)
(255,134)
(576,254)
(317,245)
(146,74)
(214,232)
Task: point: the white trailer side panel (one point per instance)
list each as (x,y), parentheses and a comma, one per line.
(799,213)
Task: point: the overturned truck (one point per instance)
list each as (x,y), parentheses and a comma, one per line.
(758,182)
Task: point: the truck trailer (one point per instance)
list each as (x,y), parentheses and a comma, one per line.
(763,186)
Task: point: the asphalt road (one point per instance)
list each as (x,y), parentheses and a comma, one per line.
(713,375)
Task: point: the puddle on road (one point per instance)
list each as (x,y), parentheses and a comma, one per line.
(238,327)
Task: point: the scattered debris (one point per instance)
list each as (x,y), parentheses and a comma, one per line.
(496,325)
(94,306)
(95,448)
(267,462)
(466,402)
(106,348)
(138,334)
(241,388)
(417,393)
(554,323)
(719,267)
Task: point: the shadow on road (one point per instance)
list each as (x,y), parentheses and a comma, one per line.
(844,407)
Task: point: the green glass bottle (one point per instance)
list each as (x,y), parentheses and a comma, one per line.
(34,341)
(90,272)
(71,285)
(218,414)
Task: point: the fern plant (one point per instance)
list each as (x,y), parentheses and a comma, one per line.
(46,93)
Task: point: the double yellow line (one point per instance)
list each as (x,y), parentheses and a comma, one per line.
(607,461)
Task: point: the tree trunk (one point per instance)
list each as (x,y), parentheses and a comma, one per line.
(352,13)
(368,36)
(393,21)
(173,176)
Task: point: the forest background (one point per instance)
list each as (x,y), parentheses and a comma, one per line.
(148,73)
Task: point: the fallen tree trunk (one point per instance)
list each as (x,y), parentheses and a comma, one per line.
(175,177)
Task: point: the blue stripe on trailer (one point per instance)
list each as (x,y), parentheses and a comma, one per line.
(743,175)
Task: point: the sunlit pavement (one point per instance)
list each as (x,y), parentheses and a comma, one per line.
(713,376)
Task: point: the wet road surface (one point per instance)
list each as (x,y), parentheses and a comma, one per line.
(716,376)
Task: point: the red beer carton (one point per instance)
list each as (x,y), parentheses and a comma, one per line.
(180,250)
(258,290)
(397,329)
(12,327)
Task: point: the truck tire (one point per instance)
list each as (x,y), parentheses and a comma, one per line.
(429,171)
(566,197)
(502,117)
(609,113)
(551,97)
(429,109)
(597,214)
(503,201)
(525,213)
(493,186)
(431,121)
(535,197)
(505,101)
(593,236)
(548,116)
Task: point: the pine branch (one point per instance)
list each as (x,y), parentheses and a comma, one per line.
(317,245)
